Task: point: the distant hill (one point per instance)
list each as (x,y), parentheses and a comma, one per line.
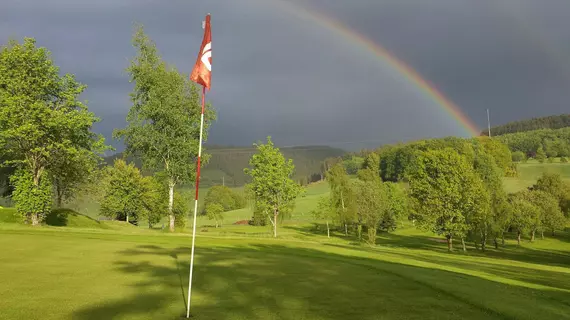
(227,163)
(550,122)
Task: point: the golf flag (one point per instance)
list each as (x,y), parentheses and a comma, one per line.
(202,71)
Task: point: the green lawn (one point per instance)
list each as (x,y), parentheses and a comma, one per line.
(80,274)
(529,172)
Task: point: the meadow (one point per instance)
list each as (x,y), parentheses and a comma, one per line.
(80,268)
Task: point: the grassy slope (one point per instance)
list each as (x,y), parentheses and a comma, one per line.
(529,172)
(103,275)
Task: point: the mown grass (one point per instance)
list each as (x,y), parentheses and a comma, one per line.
(529,172)
(80,274)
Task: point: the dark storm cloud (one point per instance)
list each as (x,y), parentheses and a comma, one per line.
(276,74)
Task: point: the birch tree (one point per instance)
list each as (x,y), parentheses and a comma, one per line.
(164,120)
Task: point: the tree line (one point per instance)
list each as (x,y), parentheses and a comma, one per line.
(539,144)
(452,187)
(550,122)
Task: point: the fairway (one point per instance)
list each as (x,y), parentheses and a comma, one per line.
(83,274)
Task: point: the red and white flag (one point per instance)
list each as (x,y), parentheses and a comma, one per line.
(202,72)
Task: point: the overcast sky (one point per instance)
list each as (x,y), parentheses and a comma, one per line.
(282,74)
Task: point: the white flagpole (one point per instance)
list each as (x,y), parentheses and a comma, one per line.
(196,203)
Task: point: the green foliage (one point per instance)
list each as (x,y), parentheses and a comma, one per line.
(33,201)
(42,122)
(553,184)
(372,205)
(553,142)
(128,196)
(540,155)
(524,213)
(353,164)
(518,156)
(272,187)
(226,197)
(499,151)
(550,122)
(181,209)
(444,189)
(397,201)
(343,198)
(215,211)
(563,160)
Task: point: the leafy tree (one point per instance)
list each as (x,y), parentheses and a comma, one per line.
(550,216)
(325,211)
(164,121)
(273,189)
(498,150)
(523,213)
(214,211)
(372,205)
(342,195)
(41,118)
(70,173)
(518,156)
(397,206)
(444,187)
(540,155)
(553,184)
(564,160)
(353,164)
(127,195)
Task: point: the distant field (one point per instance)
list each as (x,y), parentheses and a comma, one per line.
(529,172)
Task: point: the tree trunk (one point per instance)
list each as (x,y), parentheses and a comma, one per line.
(328,230)
(483,240)
(127,218)
(519,238)
(345,230)
(463,244)
(275,213)
(35,219)
(359,232)
(532,236)
(542,235)
(449,243)
(496,243)
(503,237)
(171,185)
(37,176)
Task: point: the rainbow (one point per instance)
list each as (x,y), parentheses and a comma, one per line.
(401,67)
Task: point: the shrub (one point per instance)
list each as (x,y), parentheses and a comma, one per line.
(564,160)
(33,202)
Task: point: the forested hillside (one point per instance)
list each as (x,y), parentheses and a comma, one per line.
(226,164)
(554,143)
(550,122)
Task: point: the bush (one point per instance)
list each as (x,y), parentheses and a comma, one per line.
(563,160)
(550,160)
(226,197)
(518,156)
(181,209)
(33,202)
